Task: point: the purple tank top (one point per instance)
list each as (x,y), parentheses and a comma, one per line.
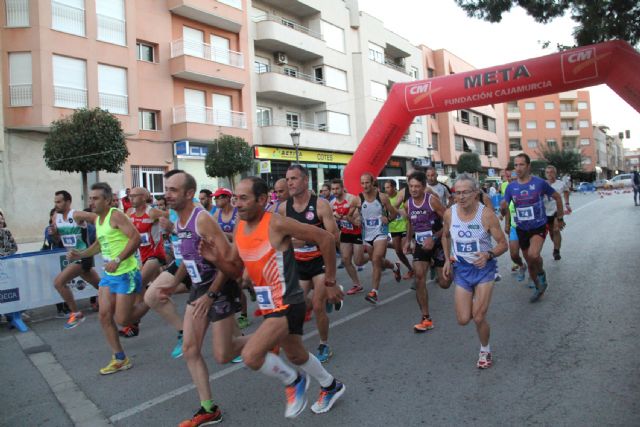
(200,270)
(422,218)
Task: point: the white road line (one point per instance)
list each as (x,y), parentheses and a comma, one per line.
(227,371)
(585,205)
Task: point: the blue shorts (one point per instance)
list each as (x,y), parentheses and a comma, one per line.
(468,276)
(513,235)
(127,283)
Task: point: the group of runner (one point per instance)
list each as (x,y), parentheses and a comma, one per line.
(283,252)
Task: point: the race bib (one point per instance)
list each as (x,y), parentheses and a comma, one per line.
(69,241)
(467,246)
(264,297)
(346,225)
(525,214)
(421,236)
(306,248)
(372,222)
(144,239)
(177,249)
(192,269)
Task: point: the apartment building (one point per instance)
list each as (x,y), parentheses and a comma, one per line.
(560,120)
(631,160)
(479,130)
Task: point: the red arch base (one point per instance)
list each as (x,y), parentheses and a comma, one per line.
(615,63)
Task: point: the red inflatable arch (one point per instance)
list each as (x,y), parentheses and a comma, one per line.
(615,63)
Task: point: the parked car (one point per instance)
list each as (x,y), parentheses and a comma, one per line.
(602,183)
(622,180)
(583,187)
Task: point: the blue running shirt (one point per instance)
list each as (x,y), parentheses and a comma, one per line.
(528,199)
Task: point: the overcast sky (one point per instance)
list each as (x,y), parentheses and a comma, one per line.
(442,24)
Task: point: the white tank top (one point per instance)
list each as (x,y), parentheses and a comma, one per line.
(469,238)
(372,213)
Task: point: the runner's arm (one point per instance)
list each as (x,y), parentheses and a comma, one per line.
(391,211)
(155,214)
(496,232)
(326,216)
(213,235)
(87,253)
(353,215)
(400,197)
(446,236)
(82,216)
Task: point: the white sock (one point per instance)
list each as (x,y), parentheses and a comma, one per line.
(274,367)
(375,291)
(486,349)
(314,368)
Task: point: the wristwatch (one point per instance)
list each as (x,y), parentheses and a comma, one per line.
(213,295)
(491,254)
(329,283)
(117,260)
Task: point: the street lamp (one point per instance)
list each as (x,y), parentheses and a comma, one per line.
(429,150)
(490,157)
(295,139)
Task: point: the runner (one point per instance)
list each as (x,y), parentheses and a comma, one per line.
(118,241)
(309,209)
(282,194)
(206,201)
(550,207)
(70,226)
(527,193)
(350,234)
(398,228)
(514,247)
(212,299)
(424,233)
(372,211)
(441,190)
(263,241)
(468,229)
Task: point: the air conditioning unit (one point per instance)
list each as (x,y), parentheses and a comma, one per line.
(280,58)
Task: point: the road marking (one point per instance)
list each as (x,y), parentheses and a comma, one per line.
(227,371)
(585,205)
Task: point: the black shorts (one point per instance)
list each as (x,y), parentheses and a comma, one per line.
(226,305)
(86,263)
(295,317)
(401,234)
(436,255)
(307,270)
(173,268)
(550,220)
(355,239)
(524,236)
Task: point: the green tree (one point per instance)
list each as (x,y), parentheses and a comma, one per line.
(86,141)
(597,21)
(566,161)
(469,162)
(229,156)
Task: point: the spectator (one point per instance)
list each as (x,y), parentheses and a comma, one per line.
(52,241)
(8,245)
(636,187)
(126,201)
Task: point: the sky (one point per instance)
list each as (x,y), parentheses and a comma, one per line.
(442,24)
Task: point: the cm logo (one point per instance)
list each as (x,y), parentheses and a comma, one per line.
(415,90)
(419,96)
(579,65)
(579,56)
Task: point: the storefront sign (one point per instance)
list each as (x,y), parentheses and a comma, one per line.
(305,156)
(264,166)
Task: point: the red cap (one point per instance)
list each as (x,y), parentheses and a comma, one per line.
(222,192)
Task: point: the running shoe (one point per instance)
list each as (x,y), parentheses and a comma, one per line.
(237,359)
(327,398)
(396,272)
(176,353)
(203,418)
(521,273)
(74,320)
(540,288)
(556,255)
(372,297)
(360,268)
(497,278)
(129,331)
(296,398)
(484,360)
(424,325)
(355,289)
(409,275)
(116,365)
(514,266)
(324,353)
(243,322)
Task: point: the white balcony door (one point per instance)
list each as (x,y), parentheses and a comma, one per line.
(222,110)
(220,49)
(193,42)
(195,105)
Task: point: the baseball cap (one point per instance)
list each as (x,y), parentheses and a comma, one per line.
(222,192)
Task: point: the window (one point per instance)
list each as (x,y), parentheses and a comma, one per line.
(513,125)
(148,177)
(434,141)
(112,89)
(69,82)
(376,53)
(378,91)
(333,36)
(261,65)
(532,143)
(567,124)
(318,75)
(476,121)
(583,105)
(338,123)
(148,120)
(195,106)
(531,124)
(222,115)
(220,49)
(335,78)
(413,72)
(145,52)
(585,141)
(111,21)
(68,16)
(515,144)
(20,89)
(549,105)
(464,116)
(586,160)
(293,120)
(193,41)
(17,12)
(569,143)
(529,105)
(566,106)
(290,70)
(431,73)
(584,124)
(263,116)
(551,143)
(550,124)
(459,143)
(419,139)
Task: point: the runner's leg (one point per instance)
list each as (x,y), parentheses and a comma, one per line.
(71,271)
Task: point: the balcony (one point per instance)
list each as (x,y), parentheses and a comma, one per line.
(193,61)
(568,114)
(570,132)
(17,13)
(20,95)
(219,14)
(312,136)
(115,104)
(513,113)
(283,86)
(199,123)
(296,7)
(572,94)
(69,97)
(277,34)
(515,133)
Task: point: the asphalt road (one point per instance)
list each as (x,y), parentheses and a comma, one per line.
(571,359)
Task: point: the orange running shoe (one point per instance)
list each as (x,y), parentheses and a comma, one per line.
(424,325)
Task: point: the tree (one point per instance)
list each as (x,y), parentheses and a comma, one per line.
(565,161)
(469,162)
(229,156)
(86,141)
(597,21)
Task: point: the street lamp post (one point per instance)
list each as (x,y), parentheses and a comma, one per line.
(295,139)
(490,157)
(429,150)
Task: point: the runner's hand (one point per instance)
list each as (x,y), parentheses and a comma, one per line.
(446,270)
(481,259)
(428,244)
(406,248)
(208,250)
(165,225)
(334,294)
(201,306)
(111,266)
(73,255)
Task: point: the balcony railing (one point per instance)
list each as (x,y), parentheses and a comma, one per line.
(68,19)
(288,23)
(263,68)
(112,30)
(390,62)
(20,95)
(513,110)
(17,13)
(69,97)
(297,125)
(210,53)
(209,116)
(115,104)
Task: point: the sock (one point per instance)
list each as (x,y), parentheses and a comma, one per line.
(428,316)
(332,385)
(323,342)
(486,348)
(207,405)
(274,367)
(120,355)
(314,368)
